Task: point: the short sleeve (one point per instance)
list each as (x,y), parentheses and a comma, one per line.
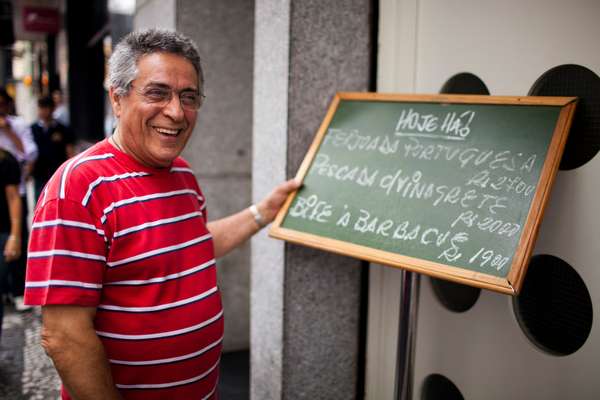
(202,200)
(203,208)
(67,256)
(23,131)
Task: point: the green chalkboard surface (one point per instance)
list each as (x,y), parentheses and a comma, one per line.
(450,186)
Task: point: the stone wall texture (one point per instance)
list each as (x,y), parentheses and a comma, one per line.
(322,48)
(220,149)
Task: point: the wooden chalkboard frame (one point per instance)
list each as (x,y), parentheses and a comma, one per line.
(514,279)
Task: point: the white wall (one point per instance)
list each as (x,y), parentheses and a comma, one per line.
(155,14)
(508,44)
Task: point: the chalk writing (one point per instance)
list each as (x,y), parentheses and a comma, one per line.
(471,219)
(407,231)
(470,156)
(343,172)
(412,187)
(448,183)
(508,184)
(485,256)
(312,209)
(353,140)
(455,126)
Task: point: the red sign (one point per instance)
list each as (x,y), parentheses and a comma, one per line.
(41,19)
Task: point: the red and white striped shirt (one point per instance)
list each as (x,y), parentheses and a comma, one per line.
(132,241)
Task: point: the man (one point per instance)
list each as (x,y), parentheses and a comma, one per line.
(15,135)
(55,144)
(61,111)
(16,138)
(10,217)
(122,258)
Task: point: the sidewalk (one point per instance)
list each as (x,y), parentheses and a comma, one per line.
(26,373)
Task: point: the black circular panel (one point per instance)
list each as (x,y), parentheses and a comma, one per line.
(574,80)
(454,296)
(464,83)
(436,387)
(554,308)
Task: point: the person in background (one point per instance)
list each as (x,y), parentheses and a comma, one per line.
(10,217)
(61,111)
(16,138)
(55,144)
(15,135)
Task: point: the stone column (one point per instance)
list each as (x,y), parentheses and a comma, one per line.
(221,146)
(154,14)
(306,318)
(220,149)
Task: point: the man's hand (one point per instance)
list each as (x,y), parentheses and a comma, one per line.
(7,129)
(230,232)
(3,122)
(270,205)
(12,248)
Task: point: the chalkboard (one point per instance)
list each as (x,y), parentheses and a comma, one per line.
(453,186)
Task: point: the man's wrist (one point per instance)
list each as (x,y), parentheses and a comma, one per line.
(258,217)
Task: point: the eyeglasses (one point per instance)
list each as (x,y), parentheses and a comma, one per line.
(190,100)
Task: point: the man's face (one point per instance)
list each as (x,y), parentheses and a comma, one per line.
(154,134)
(56,97)
(44,113)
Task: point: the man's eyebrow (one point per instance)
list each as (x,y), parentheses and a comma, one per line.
(165,86)
(158,84)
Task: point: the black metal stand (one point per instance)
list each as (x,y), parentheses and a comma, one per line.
(409,299)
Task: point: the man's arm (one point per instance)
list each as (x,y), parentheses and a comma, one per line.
(30,149)
(69,338)
(11,134)
(229,232)
(12,249)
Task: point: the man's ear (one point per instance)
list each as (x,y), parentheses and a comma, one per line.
(115,102)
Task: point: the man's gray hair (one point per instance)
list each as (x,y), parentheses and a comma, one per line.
(122,65)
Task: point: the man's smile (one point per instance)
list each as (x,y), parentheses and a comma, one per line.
(168,131)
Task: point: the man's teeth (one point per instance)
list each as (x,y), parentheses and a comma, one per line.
(167,131)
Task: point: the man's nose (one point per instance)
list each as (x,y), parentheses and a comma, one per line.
(174,109)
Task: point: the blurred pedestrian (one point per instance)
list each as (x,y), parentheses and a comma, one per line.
(61,111)
(10,217)
(15,135)
(55,144)
(16,138)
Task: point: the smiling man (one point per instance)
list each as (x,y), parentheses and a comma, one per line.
(122,257)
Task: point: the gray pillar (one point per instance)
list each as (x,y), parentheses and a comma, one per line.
(269,160)
(305,303)
(154,14)
(220,148)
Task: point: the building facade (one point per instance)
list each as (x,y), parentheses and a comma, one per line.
(322,326)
